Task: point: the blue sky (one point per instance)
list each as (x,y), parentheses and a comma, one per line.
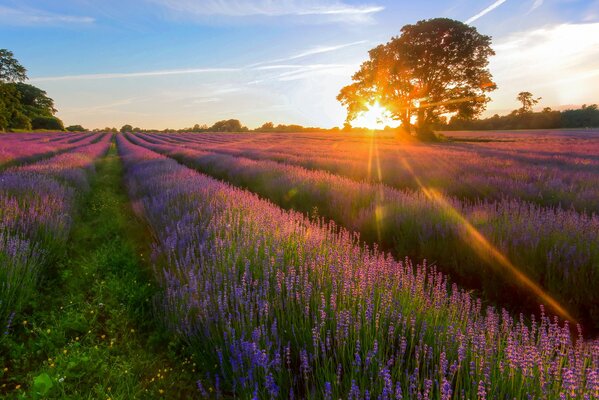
(174,63)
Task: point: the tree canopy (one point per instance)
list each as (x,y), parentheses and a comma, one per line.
(231,125)
(584,117)
(528,101)
(35,101)
(75,128)
(126,128)
(10,68)
(23,106)
(47,122)
(435,67)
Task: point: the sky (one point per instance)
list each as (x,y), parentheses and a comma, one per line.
(175,63)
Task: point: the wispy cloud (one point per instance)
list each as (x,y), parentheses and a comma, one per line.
(335,9)
(310,71)
(536,4)
(558,62)
(485,11)
(271,65)
(134,74)
(296,70)
(31,16)
(312,52)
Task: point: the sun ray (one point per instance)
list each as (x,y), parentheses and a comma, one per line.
(486,250)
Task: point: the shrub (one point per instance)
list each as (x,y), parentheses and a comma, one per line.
(75,128)
(50,123)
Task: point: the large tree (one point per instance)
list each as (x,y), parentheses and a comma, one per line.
(435,67)
(21,104)
(10,68)
(126,128)
(11,115)
(231,125)
(528,102)
(35,101)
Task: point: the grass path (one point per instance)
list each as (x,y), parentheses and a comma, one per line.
(91,333)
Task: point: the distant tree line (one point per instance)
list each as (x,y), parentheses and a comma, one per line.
(525,118)
(231,126)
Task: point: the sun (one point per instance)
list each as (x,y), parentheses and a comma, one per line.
(376,117)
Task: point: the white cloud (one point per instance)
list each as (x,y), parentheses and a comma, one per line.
(31,16)
(485,11)
(333,9)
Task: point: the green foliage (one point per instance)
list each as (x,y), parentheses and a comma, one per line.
(20,121)
(435,67)
(42,384)
(23,106)
(35,101)
(49,123)
(10,68)
(75,128)
(9,105)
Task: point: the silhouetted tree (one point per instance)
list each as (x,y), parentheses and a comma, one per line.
(231,125)
(585,117)
(528,101)
(126,128)
(266,127)
(435,67)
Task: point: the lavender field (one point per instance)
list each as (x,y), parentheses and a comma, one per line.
(323,266)
(299,200)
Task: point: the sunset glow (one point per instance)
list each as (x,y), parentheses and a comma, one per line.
(377,117)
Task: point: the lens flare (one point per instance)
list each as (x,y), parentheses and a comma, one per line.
(487,251)
(376,117)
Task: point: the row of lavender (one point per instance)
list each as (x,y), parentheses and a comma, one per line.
(552,170)
(37,203)
(558,250)
(278,306)
(22,148)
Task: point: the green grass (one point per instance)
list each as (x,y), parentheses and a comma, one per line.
(91,332)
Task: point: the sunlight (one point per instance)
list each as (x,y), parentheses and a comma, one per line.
(377,117)
(486,250)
